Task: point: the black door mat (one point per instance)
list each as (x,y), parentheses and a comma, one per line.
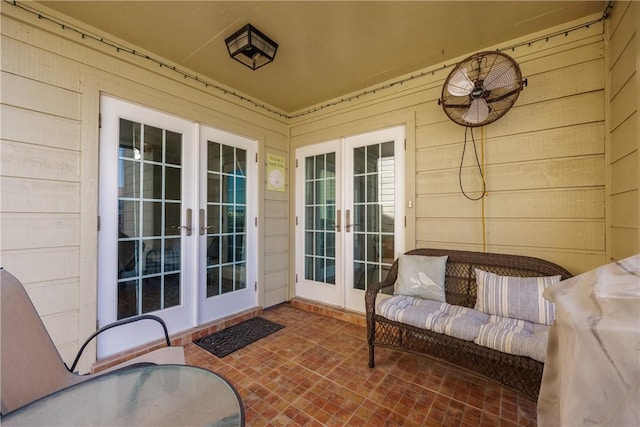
(235,337)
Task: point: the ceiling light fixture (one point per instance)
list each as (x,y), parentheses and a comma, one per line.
(251,47)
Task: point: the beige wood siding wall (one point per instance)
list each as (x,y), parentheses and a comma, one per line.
(554,190)
(51,80)
(623,62)
(544,161)
(276,241)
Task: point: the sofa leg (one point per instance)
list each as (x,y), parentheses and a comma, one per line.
(371,362)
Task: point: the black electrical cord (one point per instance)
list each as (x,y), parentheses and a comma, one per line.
(464,149)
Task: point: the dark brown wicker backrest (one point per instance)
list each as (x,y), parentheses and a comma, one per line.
(460,277)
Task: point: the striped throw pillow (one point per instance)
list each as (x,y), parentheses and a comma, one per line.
(515,297)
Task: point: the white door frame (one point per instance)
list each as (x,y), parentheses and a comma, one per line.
(317,291)
(343,294)
(180,317)
(195,308)
(354,298)
(233,302)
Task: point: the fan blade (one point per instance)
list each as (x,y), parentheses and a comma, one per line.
(500,75)
(459,83)
(478,112)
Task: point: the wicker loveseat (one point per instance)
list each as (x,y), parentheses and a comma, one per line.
(520,373)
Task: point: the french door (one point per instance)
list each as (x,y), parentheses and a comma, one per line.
(174,209)
(349,215)
(227,224)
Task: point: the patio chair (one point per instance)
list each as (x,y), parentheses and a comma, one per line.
(30,365)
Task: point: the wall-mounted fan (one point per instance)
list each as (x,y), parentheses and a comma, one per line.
(481,89)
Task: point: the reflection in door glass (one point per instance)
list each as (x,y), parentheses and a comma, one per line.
(320,214)
(373,213)
(226,219)
(149,206)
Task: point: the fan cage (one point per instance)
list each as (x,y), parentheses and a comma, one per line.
(507,78)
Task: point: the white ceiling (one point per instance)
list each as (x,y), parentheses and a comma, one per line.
(326,49)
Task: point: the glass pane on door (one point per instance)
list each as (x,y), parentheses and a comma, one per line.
(149,207)
(373,222)
(319,218)
(226,219)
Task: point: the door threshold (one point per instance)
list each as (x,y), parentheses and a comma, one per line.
(326,310)
(179,339)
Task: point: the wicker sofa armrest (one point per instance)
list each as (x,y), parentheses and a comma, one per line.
(370,301)
(374,288)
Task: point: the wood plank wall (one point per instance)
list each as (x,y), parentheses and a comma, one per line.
(624,128)
(51,83)
(276,241)
(544,161)
(40,157)
(546,165)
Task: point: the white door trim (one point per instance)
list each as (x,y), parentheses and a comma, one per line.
(327,293)
(234,302)
(343,294)
(180,317)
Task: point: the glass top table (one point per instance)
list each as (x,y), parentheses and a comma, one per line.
(156,395)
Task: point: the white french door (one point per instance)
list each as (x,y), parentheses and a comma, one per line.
(349,215)
(175,240)
(227,224)
(319,261)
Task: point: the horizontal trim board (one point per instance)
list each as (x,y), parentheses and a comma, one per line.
(567,55)
(21,231)
(624,174)
(581,235)
(624,31)
(29,94)
(625,210)
(575,261)
(62,326)
(39,162)
(573,141)
(275,296)
(52,264)
(563,112)
(623,69)
(546,174)
(39,196)
(55,296)
(624,242)
(38,63)
(543,204)
(624,139)
(277,225)
(276,261)
(276,243)
(276,208)
(35,127)
(625,102)
(563,82)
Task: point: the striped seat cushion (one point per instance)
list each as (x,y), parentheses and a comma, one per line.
(459,322)
(515,297)
(514,336)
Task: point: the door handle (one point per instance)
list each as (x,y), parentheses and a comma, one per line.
(347,219)
(188,226)
(338,220)
(203,228)
(348,224)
